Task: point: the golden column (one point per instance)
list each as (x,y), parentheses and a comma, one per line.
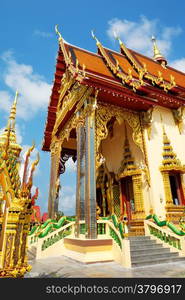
(55,159)
(138,195)
(90,169)
(80,186)
(167,188)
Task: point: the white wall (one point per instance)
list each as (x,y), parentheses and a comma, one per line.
(155,149)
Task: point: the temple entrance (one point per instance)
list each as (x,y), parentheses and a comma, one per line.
(127,195)
(176,189)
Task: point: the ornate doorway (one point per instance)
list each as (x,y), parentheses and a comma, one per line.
(127,196)
(176,189)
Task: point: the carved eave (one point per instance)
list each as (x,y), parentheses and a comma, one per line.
(126,78)
(143,72)
(178,115)
(74,96)
(77,71)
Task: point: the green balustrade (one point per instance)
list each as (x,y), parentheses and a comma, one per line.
(171,240)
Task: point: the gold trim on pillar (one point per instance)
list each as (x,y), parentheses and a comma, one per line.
(146,120)
(104,114)
(55,149)
(178,117)
(72,122)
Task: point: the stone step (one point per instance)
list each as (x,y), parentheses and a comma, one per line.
(150,257)
(142,242)
(139,238)
(153,251)
(158,261)
(144,246)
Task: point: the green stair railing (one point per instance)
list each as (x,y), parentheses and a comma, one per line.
(166,231)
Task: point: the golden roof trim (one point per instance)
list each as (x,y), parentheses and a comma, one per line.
(115,69)
(143,72)
(78,73)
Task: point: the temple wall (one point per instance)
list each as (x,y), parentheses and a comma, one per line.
(155,149)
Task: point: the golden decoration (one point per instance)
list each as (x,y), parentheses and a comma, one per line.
(116,70)
(104,114)
(143,72)
(15,218)
(178,117)
(146,120)
(71,93)
(169,164)
(75,71)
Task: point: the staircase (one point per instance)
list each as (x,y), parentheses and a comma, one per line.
(145,251)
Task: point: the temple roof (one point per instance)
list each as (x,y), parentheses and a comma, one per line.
(125,78)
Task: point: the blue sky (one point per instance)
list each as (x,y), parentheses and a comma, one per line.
(28,49)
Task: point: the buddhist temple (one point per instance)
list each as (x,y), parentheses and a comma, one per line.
(120,116)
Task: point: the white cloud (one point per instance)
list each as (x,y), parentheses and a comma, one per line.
(43,34)
(67,200)
(178,64)
(137,35)
(70,166)
(34,90)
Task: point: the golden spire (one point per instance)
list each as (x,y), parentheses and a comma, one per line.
(8,137)
(157,54)
(12,116)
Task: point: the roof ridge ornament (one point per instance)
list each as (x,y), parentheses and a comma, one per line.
(157,54)
(142,69)
(78,73)
(95,38)
(67,57)
(58,32)
(116,36)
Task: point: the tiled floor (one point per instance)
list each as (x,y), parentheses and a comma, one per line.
(65,267)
